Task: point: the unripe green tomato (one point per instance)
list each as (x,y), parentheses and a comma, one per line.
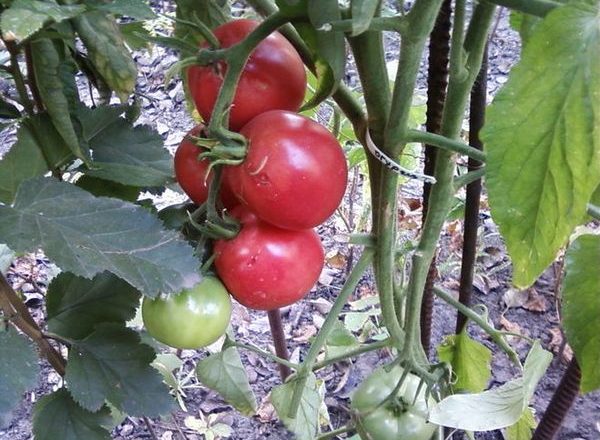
(193,318)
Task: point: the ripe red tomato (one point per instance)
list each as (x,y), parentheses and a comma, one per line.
(265,267)
(191,172)
(295,173)
(273,78)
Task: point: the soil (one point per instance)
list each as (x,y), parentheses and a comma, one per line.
(532,313)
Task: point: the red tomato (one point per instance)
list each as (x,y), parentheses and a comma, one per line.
(294,175)
(273,78)
(266,267)
(191,172)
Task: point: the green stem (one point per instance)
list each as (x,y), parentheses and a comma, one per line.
(264,353)
(534,7)
(365,348)
(444,143)
(18,76)
(442,192)
(336,432)
(332,317)
(467,178)
(593,211)
(378,24)
(496,335)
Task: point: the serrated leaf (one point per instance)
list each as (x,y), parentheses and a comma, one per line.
(543,139)
(523,429)
(581,307)
(87,235)
(363,12)
(224,373)
(57,416)
(112,364)
(106,188)
(136,9)
(496,408)
(25,17)
(305,424)
(470,361)
(76,305)
(18,368)
(130,155)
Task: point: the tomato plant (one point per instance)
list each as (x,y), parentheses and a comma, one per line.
(294,175)
(266,267)
(192,318)
(273,77)
(403,417)
(192,173)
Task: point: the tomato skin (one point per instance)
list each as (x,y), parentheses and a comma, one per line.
(191,172)
(191,319)
(265,267)
(295,173)
(273,78)
(399,419)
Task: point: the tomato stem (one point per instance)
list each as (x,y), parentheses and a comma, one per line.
(263,353)
(279,341)
(365,348)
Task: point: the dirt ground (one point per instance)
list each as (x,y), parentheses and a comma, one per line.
(532,313)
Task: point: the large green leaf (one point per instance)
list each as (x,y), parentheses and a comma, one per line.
(112,364)
(224,373)
(470,361)
(581,307)
(306,423)
(25,17)
(57,416)
(18,368)
(107,188)
(523,429)
(75,305)
(543,139)
(496,408)
(87,235)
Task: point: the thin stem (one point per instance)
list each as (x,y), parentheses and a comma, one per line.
(593,211)
(150,428)
(378,24)
(445,143)
(534,7)
(336,432)
(264,353)
(15,70)
(332,317)
(496,335)
(365,348)
(279,341)
(37,99)
(468,178)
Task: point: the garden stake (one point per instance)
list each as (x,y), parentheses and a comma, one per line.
(476,121)
(437,82)
(561,403)
(279,341)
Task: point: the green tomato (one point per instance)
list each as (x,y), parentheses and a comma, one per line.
(193,318)
(403,418)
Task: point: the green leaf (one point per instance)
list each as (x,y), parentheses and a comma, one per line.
(112,364)
(8,111)
(7,256)
(496,408)
(581,307)
(523,429)
(363,12)
(470,361)
(136,9)
(224,373)
(166,364)
(57,416)
(25,17)
(211,13)
(106,188)
(18,368)
(87,235)
(135,35)
(75,305)
(340,340)
(524,24)
(130,155)
(543,139)
(94,121)
(305,425)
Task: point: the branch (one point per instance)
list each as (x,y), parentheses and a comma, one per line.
(263,353)
(468,178)
(365,348)
(445,144)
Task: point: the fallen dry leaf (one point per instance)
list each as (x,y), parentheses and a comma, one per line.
(337,260)
(515,298)
(266,410)
(535,302)
(304,333)
(557,344)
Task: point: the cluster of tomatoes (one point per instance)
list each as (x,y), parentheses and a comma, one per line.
(292,179)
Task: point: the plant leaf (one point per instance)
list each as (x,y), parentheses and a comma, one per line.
(136,9)
(87,235)
(8,110)
(224,373)
(305,424)
(57,416)
(19,369)
(581,307)
(470,360)
(75,305)
(106,188)
(543,139)
(112,364)
(25,17)
(211,13)
(523,429)
(496,408)
(363,12)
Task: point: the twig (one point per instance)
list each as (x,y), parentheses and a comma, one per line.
(150,428)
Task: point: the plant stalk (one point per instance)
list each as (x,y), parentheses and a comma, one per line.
(279,341)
